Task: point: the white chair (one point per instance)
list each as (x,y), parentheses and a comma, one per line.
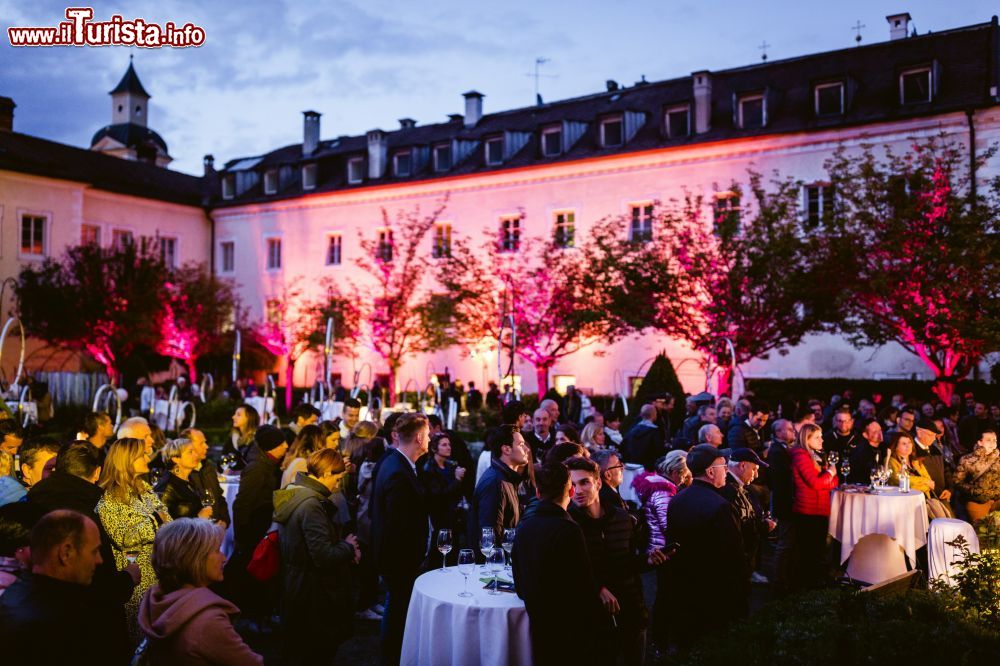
(876,558)
(941,557)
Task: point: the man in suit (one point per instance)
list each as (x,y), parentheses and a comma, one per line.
(542,436)
(747,433)
(864,456)
(782,489)
(400,527)
(928,451)
(704,572)
(644,443)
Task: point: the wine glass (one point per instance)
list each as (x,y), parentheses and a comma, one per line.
(207,498)
(845,469)
(466,567)
(131,555)
(486,542)
(508,545)
(496,564)
(874,476)
(444,546)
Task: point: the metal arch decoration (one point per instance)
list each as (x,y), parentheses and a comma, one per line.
(177,409)
(11,321)
(621,386)
(207,386)
(270,392)
(237,349)
(23,401)
(328,351)
(111,391)
(507,321)
(711,369)
(356,389)
(401,398)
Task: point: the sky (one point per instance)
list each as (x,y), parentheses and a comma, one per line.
(365,64)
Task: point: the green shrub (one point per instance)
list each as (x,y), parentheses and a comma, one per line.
(976,593)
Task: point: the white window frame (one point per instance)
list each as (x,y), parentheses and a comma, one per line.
(647,212)
(620,119)
(555,129)
(395,163)
(330,235)
(824,86)
(517,230)
(436,154)
(823,187)
(569,220)
(222,256)
(177,246)
(310,174)
(46,218)
(486,150)
(229,186)
(743,99)
(441,231)
(728,196)
(268,239)
(686,109)
(93,225)
(358,164)
(927,69)
(121,230)
(271,181)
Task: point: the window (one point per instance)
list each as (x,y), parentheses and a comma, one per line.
(355,170)
(442,157)
(551,141)
(727,210)
(562,382)
(442,240)
(228,260)
(915,86)
(121,238)
(90,234)
(678,121)
(33,235)
(383,250)
(829,99)
(751,111)
(334,249)
(564,229)
(309,177)
(271,181)
(612,132)
(819,204)
(272,311)
(273,254)
(168,251)
(228,186)
(494,150)
(510,233)
(641,226)
(402,163)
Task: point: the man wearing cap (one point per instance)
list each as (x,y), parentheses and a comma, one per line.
(929,453)
(703,575)
(743,466)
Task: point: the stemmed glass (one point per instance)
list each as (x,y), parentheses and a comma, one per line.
(508,545)
(227,462)
(444,546)
(495,562)
(466,567)
(874,475)
(487,543)
(131,555)
(207,498)
(845,469)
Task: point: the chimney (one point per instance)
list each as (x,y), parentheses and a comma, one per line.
(899,25)
(473,107)
(310,132)
(209,162)
(7,114)
(209,185)
(702,101)
(407,123)
(611,84)
(455,117)
(377,153)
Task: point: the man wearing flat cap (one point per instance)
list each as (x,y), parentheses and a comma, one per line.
(928,451)
(743,467)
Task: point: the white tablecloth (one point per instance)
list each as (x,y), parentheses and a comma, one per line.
(901,516)
(443,628)
(629,473)
(229,488)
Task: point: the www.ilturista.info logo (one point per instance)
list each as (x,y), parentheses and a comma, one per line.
(81,30)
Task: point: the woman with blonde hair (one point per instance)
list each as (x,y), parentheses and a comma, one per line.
(308,441)
(183,620)
(131,514)
(593,436)
(813,479)
(182,498)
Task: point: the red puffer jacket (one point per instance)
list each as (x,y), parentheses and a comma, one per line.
(812,485)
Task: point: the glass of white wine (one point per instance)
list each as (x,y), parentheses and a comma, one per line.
(466,567)
(487,543)
(495,564)
(444,546)
(508,544)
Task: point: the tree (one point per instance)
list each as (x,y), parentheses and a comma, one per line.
(923,242)
(198,310)
(745,275)
(106,302)
(660,378)
(559,298)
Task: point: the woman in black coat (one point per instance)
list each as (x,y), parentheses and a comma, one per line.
(181,497)
(442,478)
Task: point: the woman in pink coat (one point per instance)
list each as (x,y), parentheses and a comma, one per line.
(810,506)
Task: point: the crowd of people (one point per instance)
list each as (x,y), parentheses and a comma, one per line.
(120,533)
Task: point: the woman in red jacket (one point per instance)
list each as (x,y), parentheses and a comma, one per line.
(810,506)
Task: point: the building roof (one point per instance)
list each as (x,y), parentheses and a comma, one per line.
(32,155)
(130,83)
(964,61)
(131,135)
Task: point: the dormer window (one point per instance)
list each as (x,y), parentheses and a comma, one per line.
(551,141)
(402,163)
(677,121)
(271,181)
(752,113)
(915,85)
(612,132)
(229,186)
(494,150)
(309,177)
(442,157)
(355,170)
(829,99)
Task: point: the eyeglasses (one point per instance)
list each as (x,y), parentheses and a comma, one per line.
(615,467)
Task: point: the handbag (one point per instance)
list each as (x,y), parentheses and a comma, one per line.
(266,560)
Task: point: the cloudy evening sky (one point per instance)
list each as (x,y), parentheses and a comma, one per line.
(366,64)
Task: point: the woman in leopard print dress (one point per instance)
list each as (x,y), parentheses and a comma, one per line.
(131,513)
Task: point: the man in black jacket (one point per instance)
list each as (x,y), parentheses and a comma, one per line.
(644,443)
(495,501)
(867,454)
(542,436)
(607,531)
(73,486)
(928,451)
(747,433)
(782,491)
(703,574)
(743,467)
(841,438)
(552,574)
(400,527)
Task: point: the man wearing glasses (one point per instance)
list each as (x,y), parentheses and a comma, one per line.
(612,474)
